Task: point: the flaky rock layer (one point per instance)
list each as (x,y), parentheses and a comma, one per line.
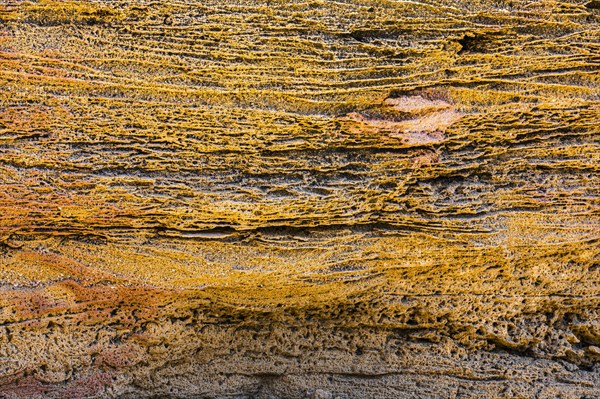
(350,199)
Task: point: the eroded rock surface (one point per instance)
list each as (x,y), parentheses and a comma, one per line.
(351,199)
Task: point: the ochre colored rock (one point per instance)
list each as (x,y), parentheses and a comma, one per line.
(285,199)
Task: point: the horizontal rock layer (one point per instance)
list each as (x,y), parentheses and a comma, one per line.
(390,199)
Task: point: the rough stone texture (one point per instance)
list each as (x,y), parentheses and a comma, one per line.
(349,199)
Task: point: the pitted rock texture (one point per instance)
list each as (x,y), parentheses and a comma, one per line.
(281,199)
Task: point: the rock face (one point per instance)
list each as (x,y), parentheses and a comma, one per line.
(350,199)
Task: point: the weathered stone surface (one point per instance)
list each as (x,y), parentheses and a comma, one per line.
(351,199)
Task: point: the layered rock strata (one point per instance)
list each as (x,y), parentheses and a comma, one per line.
(349,199)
